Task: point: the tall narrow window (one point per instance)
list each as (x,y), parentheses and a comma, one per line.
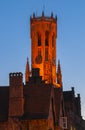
(39,39)
(46,38)
(53,40)
(46,54)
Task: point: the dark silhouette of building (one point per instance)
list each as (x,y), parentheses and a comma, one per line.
(73,110)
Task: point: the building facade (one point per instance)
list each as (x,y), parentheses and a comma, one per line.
(39,103)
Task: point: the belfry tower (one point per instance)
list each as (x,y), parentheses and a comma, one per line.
(43,46)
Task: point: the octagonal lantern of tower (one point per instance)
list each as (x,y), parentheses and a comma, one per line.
(43,46)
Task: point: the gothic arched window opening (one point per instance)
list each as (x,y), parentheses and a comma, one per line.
(39,39)
(53,40)
(46,38)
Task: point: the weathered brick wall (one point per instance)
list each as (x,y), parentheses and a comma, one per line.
(38,125)
(16,99)
(58,128)
(3,126)
(14,124)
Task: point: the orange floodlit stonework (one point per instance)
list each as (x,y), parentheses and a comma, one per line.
(43,40)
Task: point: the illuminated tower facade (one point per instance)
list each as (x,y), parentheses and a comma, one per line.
(43,46)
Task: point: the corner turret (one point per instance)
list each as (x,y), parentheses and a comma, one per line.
(27,72)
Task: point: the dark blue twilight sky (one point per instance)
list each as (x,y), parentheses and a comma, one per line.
(15,39)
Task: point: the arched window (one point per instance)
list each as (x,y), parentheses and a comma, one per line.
(39,39)
(46,38)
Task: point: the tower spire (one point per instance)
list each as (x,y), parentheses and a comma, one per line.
(27,71)
(59,74)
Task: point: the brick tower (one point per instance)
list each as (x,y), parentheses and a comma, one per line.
(16,99)
(43,44)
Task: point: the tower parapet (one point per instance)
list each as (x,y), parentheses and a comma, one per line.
(15,79)
(46,18)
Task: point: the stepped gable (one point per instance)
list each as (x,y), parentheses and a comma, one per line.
(68,96)
(4,101)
